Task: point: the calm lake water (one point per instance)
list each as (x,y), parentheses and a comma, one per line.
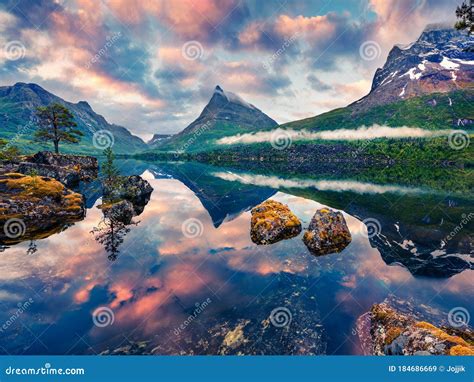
(187,279)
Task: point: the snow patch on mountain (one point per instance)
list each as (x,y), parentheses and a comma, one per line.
(448,64)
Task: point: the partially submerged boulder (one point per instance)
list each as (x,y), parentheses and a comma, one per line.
(273,221)
(36,207)
(396,333)
(133,188)
(327,232)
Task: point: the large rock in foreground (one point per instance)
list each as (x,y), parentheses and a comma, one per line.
(68,169)
(35,207)
(273,221)
(327,233)
(395,333)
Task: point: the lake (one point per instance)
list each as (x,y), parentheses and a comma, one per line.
(186,278)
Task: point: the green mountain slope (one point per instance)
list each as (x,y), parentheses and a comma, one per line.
(17,107)
(452,110)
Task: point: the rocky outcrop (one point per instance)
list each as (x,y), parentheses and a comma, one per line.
(34,207)
(273,221)
(396,333)
(68,169)
(132,188)
(327,233)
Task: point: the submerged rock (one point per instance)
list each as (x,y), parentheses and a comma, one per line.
(33,207)
(327,232)
(396,333)
(273,221)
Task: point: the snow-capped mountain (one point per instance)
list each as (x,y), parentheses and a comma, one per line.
(441,60)
(230,108)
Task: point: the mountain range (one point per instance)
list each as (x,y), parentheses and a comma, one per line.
(427,84)
(17,118)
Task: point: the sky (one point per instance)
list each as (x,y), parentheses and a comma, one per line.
(151,66)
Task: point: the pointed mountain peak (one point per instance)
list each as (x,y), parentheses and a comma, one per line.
(229,108)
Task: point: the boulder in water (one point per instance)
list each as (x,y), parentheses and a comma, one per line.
(396,333)
(273,221)
(327,232)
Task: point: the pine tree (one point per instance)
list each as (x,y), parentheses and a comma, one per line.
(56,124)
(109,170)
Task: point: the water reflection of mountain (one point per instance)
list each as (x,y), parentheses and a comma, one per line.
(414,224)
(223,200)
(413,229)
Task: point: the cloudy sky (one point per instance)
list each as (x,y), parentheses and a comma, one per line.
(151,66)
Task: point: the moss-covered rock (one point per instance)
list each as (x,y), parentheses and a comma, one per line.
(327,232)
(122,211)
(39,206)
(273,221)
(396,333)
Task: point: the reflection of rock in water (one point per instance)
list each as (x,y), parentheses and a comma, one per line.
(120,205)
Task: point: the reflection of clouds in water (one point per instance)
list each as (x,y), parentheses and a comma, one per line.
(323,185)
(159,264)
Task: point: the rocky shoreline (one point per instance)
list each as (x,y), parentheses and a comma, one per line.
(37,197)
(385,330)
